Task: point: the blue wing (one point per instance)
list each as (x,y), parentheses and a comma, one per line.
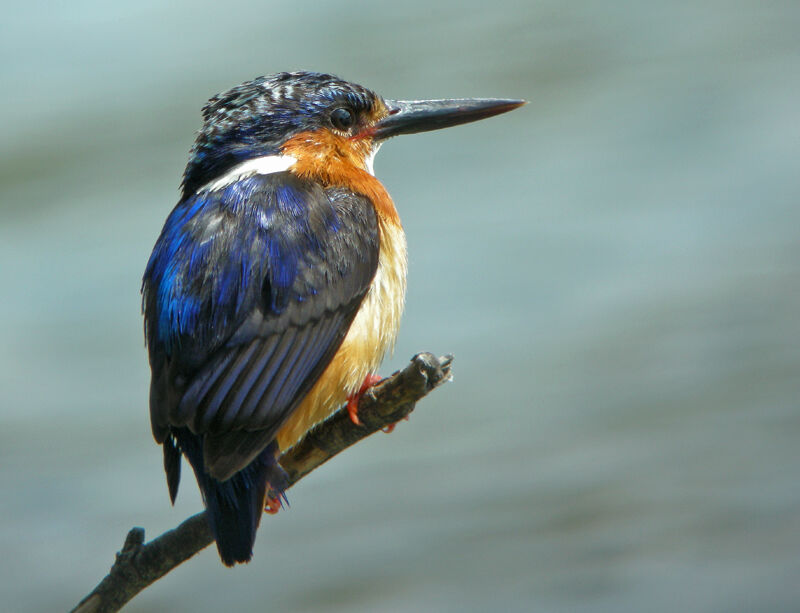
(248,294)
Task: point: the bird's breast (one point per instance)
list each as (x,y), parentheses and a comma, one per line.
(374,329)
(371,335)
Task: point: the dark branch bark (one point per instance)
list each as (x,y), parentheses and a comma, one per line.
(139,564)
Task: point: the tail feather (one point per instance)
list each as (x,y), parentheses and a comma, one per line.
(172,466)
(235,506)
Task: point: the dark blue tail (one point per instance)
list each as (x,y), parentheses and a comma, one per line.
(234,507)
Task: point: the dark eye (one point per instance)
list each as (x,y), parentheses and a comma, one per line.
(342,119)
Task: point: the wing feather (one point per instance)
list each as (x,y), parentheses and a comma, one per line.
(201,385)
(209,407)
(236,414)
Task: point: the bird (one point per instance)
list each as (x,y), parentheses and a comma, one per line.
(277,283)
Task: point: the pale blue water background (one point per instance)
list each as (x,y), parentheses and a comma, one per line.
(616,268)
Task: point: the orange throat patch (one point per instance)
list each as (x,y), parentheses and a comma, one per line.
(335,160)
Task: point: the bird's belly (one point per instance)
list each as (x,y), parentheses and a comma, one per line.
(371,335)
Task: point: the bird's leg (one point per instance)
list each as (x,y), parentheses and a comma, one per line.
(275,499)
(277,481)
(352,400)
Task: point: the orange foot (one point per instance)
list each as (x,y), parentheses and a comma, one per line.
(272,506)
(275,502)
(352,400)
(390,428)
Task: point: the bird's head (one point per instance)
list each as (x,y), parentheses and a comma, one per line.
(314,122)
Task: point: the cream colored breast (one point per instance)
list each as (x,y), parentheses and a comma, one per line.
(374,329)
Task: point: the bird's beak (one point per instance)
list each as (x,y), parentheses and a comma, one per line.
(412,116)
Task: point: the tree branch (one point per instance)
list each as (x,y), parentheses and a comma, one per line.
(139,564)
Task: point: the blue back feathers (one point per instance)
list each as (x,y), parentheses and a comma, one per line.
(216,250)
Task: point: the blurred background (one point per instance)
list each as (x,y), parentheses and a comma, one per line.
(616,268)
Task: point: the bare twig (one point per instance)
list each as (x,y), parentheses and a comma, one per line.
(139,564)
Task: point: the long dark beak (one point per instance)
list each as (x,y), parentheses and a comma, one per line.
(412,116)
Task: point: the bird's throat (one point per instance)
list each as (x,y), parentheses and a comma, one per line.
(338,161)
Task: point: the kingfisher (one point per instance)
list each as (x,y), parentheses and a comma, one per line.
(277,283)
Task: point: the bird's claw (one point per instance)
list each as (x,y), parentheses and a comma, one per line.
(390,428)
(272,506)
(353,399)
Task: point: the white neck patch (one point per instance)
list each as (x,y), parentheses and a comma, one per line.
(266,165)
(370,159)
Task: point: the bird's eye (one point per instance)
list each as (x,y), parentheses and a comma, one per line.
(342,119)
